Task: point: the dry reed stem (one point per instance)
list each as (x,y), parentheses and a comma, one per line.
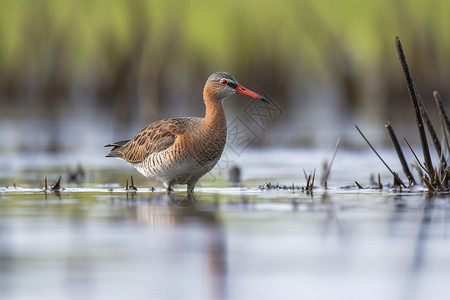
(440,105)
(396,178)
(399,151)
(432,132)
(443,114)
(327,172)
(415,96)
(417,159)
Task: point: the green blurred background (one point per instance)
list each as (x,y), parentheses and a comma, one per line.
(79,74)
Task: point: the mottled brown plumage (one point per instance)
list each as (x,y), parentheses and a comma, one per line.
(155,137)
(182,150)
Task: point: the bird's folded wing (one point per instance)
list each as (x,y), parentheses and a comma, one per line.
(156,137)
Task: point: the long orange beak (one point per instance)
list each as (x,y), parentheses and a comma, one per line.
(244,91)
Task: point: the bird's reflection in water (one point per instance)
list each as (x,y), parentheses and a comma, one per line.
(179,210)
(181,200)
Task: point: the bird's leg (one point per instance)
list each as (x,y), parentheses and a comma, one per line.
(190,188)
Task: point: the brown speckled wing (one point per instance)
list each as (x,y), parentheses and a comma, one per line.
(156,137)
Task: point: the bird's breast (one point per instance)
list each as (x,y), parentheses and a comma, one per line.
(207,147)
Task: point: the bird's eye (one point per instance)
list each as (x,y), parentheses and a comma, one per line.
(224,81)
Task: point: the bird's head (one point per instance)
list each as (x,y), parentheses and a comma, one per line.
(222,84)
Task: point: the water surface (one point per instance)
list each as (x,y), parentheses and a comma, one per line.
(94,240)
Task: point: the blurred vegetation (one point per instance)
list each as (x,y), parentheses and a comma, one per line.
(138,61)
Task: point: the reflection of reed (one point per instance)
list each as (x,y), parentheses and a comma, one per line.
(413,284)
(419,252)
(178,211)
(332,226)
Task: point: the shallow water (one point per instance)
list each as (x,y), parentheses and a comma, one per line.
(96,241)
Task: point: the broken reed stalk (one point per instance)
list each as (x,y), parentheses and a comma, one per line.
(415,96)
(399,151)
(131,187)
(443,115)
(307,178)
(309,181)
(56,187)
(327,172)
(380,185)
(396,178)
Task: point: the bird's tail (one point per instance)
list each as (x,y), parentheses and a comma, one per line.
(117,150)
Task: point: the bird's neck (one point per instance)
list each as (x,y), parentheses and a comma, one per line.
(215,114)
(213,128)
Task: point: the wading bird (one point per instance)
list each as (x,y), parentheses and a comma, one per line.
(182,150)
